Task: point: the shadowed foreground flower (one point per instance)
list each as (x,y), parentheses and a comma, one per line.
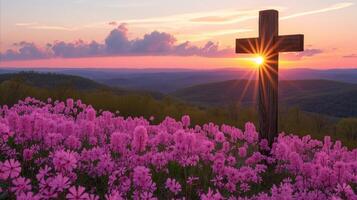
(142,178)
(10,169)
(27,196)
(64,161)
(211,195)
(59,183)
(173,186)
(77,193)
(140,139)
(186,121)
(21,185)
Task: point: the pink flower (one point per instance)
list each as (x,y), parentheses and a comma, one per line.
(186,121)
(59,183)
(91,114)
(70,103)
(219,137)
(10,169)
(42,173)
(64,161)
(147,196)
(4,132)
(93,197)
(27,196)
(114,195)
(191,179)
(250,133)
(152,118)
(142,178)
(173,186)
(77,193)
(72,142)
(119,142)
(264,145)
(21,185)
(242,151)
(140,139)
(211,195)
(53,139)
(27,154)
(4,128)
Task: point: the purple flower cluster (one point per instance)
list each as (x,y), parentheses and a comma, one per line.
(68,150)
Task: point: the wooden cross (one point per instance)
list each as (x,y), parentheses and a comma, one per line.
(268,45)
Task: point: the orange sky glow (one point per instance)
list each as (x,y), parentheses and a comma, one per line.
(329,27)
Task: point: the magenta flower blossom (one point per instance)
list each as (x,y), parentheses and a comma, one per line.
(43,172)
(114,195)
(64,161)
(119,142)
(4,132)
(20,185)
(27,196)
(140,139)
(27,154)
(142,178)
(10,169)
(191,180)
(72,142)
(147,196)
(73,149)
(4,128)
(211,195)
(93,197)
(77,193)
(242,151)
(59,183)
(186,121)
(219,137)
(173,186)
(70,103)
(91,114)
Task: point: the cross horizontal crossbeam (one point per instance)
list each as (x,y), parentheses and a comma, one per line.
(283,43)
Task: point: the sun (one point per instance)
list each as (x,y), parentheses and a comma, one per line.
(259,60)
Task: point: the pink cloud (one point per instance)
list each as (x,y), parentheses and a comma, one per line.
(117,43)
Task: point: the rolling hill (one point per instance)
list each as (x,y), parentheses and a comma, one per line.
(52,80)
(169,80)
(333,98)
(321,96)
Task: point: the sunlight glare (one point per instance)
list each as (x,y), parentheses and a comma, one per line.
(259,60)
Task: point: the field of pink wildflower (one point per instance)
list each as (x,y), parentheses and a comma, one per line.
(68,150)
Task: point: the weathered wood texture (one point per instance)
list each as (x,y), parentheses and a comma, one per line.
(268,77)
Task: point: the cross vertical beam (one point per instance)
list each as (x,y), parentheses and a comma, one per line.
(268,76)
(269,44)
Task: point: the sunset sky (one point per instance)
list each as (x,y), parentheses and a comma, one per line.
(165,33)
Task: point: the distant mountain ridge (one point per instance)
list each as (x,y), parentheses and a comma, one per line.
(321,96)
(52,80)
(170,80)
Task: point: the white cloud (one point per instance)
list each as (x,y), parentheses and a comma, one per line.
(337,6)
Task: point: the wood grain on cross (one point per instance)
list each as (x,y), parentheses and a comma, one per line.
(269,44)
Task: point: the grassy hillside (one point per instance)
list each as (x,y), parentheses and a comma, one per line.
(132,103)
(52,80)
(320,96)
